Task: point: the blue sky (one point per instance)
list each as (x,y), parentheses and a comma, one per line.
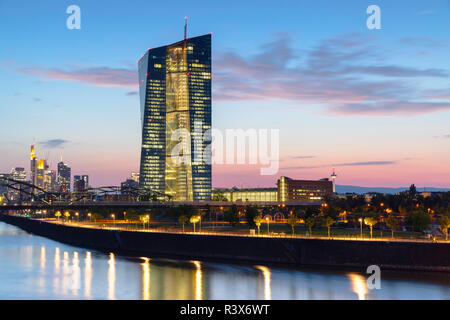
(375,104)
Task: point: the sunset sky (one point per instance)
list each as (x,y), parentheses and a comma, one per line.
(374,104)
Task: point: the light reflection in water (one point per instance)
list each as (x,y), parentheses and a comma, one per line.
(56,278)
(267,289)
(42,269)
(145,279)
(26,272)
(359,285)
(29,257)
(111,276)
(87,274)
(76,274)
(42,259)
(65,272)
(198,280)
(57,260)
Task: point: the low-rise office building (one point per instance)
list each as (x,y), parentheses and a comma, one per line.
(303,190)
(287,190)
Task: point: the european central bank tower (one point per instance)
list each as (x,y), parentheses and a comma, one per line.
(175,100)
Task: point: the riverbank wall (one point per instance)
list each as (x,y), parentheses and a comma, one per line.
(398,255)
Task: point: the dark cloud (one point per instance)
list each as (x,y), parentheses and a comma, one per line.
(387,108)
(445,136)
(37,99)
(303,157)
(426,42)
(346,164)
(54,143)
(366,163)
(132,93)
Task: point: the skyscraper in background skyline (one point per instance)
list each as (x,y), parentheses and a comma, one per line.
(175,94)
(64,177)
(80,183)
(33,166)
(18,174)
(38,170)
(85,178)
(51,181)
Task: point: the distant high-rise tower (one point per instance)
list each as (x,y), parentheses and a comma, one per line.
(79,184)
(85,178)
(64,177)
(38,170)
(33,166)
(18,174)
(175,97)
(333,178)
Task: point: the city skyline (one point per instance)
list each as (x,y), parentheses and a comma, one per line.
(372,104)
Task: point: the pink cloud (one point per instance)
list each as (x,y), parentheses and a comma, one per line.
(101,76)
(329,75)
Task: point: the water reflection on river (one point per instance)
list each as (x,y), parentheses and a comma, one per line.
(33,267)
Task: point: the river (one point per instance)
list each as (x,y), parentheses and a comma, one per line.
(33,267)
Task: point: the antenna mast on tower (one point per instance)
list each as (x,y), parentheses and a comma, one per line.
(185,28)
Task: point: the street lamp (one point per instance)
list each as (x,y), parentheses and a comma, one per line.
(360,222)
(268,222)
(114,219)
(90,217)
(67,215)
(148,221)
(76,213)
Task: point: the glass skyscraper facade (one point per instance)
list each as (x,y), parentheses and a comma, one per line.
(175,99)
(64,174)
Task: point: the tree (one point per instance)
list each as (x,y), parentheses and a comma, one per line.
(194,220)
(231,215)
(95,216)
(175,212)
(312,211)
(219,196)
(371,221)
(67,215)
(145,218)
(445,224)
(309,222)
(419,220)
(251,213)
(292,221)
(182,219)
(392,223)
(329,210)
(257,220)
(300,213)
(132,215)
(57,215)
(328,222)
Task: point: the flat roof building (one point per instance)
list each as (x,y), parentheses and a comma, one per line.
(245,195)
(303,190)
